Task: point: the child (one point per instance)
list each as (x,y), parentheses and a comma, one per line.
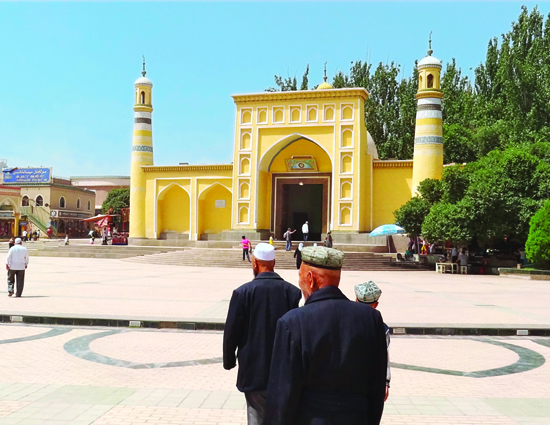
(369,293)
(271,239)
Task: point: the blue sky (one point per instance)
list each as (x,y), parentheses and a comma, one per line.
(67,69)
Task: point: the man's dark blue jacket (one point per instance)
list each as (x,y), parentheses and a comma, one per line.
(250,328)
(329,364)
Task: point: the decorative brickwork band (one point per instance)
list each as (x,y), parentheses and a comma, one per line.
(142,120)
(432,107)
(141,148)
(423,140)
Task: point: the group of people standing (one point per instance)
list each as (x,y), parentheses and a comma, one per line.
(323,363)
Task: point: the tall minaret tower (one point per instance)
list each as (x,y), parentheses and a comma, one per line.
(428,135)
(142,153)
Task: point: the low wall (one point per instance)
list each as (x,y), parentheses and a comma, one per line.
(525,274)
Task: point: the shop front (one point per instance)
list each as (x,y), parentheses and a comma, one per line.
(70,223)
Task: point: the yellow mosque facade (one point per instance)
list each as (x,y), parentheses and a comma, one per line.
(297,156)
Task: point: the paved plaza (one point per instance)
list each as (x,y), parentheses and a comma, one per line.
(61,375)
(78,287)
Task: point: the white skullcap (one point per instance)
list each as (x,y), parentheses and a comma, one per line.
(18,240)
(264,252)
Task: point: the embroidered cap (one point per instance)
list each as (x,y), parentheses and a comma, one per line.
(320,256)
(367,292)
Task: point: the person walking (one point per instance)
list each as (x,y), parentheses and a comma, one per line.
(11,243)
(25,235)
(454,254)
(16,264)
(329,356)
(49,232)
(247,245)
(298,255)
(305,230)
(369,293)
(288,238)
(253,312)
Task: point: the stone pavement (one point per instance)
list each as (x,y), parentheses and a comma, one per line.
(101,288)
(106,376)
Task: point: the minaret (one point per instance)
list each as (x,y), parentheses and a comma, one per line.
(428,135)
(142,153)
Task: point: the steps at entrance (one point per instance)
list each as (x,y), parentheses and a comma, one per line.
(232,258)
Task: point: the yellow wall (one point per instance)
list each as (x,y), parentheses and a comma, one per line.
(392,188)
(214,219)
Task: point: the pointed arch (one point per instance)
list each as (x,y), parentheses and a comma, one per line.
(269,156)
(174,210)
(214,211)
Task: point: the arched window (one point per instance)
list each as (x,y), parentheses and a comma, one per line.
(430,81)
(89,205)
(25,201)
(142,98)
(39,201)
(78,204)
(62,202)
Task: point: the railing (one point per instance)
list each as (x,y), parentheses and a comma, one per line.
(39,217)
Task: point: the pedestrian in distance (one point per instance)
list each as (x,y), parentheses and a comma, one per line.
(288,237)
(247,246)
(24,235)
(328,240)
(49,232)
(369,293)
(250,327)
(66,239)
(329,356)
(305,230)
(91,235)
(298,255)
(11,243)
(16,264)
(271,239)
(454,254)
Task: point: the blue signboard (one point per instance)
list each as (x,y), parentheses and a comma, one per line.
(27,175)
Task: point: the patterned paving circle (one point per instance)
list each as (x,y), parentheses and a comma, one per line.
(528,360)
(80,347)
(48,334)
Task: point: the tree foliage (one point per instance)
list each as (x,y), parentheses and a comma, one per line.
(537,246)
(116,199)
(507,103)
(411,215)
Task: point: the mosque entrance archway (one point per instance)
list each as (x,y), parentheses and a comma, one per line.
(298,199)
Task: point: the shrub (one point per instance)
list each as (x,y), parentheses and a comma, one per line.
(537,246)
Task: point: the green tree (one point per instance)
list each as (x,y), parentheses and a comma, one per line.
(457,144)
(431,190)
(537,246)
(447,222)
(116,199)
(411,215)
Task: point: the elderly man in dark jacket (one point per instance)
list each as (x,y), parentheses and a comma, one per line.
(329,357)
(250,327)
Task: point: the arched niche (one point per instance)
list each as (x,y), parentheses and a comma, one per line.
(329,113)
(295,115)
(312,114)
(246,141)
(243,215)
(345,190)
(347,164)
(245,166)
(430,81)
(214,214)
(273,159)
(345,216)
(244,190)
(246,117)
(347,113)
(347,138)
(262,116)
(278,115)
(173,210)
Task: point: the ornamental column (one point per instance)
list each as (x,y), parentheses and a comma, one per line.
(142,153)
